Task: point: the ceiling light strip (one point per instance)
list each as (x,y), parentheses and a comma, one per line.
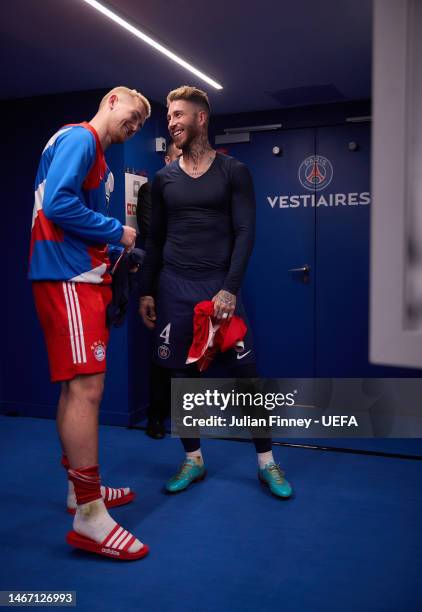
(150,41)
(254,128)
(363,119)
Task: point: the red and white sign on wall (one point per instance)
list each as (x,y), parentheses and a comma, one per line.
(132,185)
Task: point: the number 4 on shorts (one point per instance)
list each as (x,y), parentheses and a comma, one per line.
(165,334)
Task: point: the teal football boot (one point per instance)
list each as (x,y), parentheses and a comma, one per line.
(273,477)
(188,472)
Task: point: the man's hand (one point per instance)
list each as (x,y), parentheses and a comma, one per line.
(224,304)
(128,237)
(147,311)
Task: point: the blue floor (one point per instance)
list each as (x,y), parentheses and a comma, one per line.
(351,539)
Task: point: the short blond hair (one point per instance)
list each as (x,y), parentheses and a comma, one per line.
(121,89)
(191,94)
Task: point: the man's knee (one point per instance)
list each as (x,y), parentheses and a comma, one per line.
(88,388)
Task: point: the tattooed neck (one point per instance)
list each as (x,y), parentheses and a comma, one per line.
(199,150)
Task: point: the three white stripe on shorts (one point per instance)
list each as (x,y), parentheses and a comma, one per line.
(76,330)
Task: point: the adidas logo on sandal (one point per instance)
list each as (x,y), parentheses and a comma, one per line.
(110,551)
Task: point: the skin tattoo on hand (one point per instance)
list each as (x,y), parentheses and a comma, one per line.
(224,304)
(227,299)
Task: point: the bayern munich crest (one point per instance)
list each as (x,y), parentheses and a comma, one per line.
(315,173)
(163,351)
(99,350)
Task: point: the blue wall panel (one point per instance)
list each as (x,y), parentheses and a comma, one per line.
(343,260)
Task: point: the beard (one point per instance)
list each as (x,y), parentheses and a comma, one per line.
(187,137)
(120,135)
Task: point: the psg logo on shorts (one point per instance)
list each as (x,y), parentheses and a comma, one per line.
(315,173)
(99,350)
(163,352)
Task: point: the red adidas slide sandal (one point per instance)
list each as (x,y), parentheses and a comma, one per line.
(116,545)
(112,497)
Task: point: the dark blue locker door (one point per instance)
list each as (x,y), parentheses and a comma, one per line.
(342,255)
(280,305)
(343,259)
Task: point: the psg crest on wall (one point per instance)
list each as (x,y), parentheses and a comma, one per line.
(315,173)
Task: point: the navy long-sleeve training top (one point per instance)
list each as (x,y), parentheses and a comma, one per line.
(201,226)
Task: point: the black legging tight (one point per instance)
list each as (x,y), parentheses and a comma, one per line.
(262,445)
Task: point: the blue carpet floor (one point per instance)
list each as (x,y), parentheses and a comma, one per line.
(351,539)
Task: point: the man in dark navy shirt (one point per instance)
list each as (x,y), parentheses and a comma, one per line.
(201,238)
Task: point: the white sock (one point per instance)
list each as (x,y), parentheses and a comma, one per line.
(264,458)
(71,496)
(196,456)
(93,521)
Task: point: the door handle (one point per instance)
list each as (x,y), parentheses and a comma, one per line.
(304,270)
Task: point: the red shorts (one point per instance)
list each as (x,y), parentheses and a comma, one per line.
(73,319)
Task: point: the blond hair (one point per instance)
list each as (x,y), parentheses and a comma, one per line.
(191,94)
(121,89)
